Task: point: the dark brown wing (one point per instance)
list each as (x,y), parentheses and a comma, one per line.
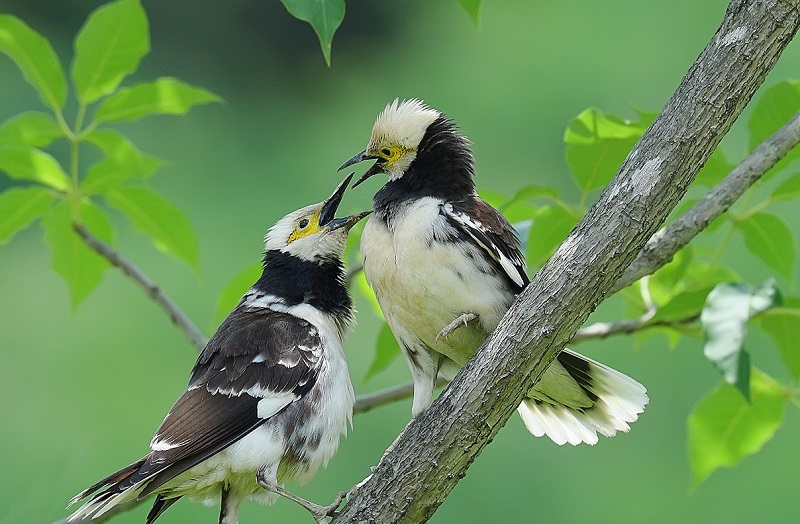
(257,363)
(487,228)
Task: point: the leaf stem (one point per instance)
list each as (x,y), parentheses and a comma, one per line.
(178,317)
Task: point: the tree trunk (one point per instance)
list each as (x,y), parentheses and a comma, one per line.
(437,448)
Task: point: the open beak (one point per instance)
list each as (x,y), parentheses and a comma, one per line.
(327,217)
(376,168)
(330,205)
(347,222)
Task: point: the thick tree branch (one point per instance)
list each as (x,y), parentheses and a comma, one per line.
(438,447)
(668,241)
(178,317)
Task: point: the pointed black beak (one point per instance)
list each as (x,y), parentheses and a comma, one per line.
(356,159)
(330,205)
(347,222)
(376,168)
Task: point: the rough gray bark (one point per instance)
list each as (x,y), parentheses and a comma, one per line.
(665,243)
(437,448)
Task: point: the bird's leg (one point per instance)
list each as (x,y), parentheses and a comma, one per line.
(229,508)
(455,324)
(320,513)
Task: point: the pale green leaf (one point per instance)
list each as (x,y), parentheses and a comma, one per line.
(34,55)
(80,267)
(770,239)
(781,324)
(550,227)
(28,163)
(686,304)
(770,112)
(665,283)
(724,428)
(165,96)
(789,189)
(715,169)
(31,128)
(596,145)
(386,351)
(235,289)
(702,274)
(19,207)
(108,48)
(325,16)
(123,162)
(363,287)
(168,228)
(473,9)
(724,318)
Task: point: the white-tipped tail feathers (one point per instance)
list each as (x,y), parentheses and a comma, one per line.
(617,401)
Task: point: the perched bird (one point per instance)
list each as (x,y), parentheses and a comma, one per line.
(270,394)
(445,266)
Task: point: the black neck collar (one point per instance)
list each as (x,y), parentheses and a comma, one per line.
(293,280)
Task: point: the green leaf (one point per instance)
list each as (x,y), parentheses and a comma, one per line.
(781,323)
(473,8)
(165,96)
(770,239)
(789,189)
(108,48)
(235,289)
(325,16)
(684,305)
(715,169)
(80,267)
(386,350)
(597,144)
(363,287)
(123,162)
(724,428)
(31,128)
(665,283)
(528,193)
(550,227)
(728,308)
(773,109)
(168,228)
(28,163)
(34,55)
(21,206)
(702,274)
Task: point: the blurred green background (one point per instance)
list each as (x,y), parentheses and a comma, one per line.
(81,392)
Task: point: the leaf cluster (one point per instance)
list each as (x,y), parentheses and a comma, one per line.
(59,192)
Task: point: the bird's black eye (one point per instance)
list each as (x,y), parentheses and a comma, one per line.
(303,223)
(386,152)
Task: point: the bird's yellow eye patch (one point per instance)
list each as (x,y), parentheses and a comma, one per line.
(391,153)
(304,227)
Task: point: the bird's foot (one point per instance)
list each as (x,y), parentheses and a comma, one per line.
(455,324)
(320,513)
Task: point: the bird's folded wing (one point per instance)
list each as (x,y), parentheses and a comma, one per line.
(488,229)
(256,364)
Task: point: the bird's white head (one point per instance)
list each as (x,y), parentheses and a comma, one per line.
(395,139)
(313,233)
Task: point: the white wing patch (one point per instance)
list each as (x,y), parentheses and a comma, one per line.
(269,406)
(472,226)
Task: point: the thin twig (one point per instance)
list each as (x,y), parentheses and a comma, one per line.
(370,401)
(627,327)
(663,245)
(178,317)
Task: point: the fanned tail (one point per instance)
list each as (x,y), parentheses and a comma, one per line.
(579,398)
(118,489)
